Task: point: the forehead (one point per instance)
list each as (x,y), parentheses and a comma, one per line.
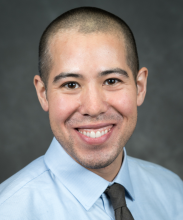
(73,51)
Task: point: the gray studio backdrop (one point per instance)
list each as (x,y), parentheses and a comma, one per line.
(25,133)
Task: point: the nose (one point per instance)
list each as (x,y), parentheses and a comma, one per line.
(93,101)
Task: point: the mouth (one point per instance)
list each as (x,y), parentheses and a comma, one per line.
(95,134)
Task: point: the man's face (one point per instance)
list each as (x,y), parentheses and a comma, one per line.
(91,97)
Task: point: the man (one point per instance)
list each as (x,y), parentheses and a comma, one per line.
(91,85)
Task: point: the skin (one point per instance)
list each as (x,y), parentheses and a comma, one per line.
(93,99)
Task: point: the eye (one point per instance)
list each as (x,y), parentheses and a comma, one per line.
(71,85)
(111,82)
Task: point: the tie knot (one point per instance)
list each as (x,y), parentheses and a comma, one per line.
(116,193)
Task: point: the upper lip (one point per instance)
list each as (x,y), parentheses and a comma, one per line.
(94,126)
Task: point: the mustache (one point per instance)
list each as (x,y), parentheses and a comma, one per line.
(76,121)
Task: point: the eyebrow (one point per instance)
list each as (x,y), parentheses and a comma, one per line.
(65,75)
(116,70)
(103,73)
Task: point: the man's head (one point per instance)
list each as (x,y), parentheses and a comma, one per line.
(86,20)
(91,94)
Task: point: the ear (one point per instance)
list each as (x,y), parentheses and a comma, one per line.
(141,85)
(41,92)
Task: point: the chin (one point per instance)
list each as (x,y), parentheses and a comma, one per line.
(95,164)
(99,159)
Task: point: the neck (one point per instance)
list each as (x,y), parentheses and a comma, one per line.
(111,171)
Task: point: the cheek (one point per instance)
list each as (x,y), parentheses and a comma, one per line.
(124,102)
(62,107)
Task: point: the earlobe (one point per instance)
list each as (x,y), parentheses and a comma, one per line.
(141,85)
(41,92)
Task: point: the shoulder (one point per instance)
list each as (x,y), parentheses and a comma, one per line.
(155,175)
(158,189)
(30,174)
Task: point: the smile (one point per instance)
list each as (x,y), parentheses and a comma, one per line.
(95,133)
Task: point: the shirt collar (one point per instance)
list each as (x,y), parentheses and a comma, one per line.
(123,177)
(85,185)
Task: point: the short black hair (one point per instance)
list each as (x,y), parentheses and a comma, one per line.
(87,20)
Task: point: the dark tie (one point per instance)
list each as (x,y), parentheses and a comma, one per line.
(116,193)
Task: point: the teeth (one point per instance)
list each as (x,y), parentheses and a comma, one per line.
(93,134)
(98,134)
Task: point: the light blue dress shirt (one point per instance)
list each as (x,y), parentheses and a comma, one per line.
(55,187)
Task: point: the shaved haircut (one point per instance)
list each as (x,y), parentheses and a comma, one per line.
(87,20)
